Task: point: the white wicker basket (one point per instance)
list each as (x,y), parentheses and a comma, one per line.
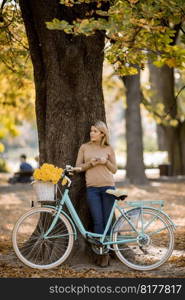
(45,190)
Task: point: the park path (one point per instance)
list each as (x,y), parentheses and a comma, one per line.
(16,199)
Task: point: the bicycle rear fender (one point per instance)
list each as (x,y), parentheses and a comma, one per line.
(157,211)
(69,219)
(119,220)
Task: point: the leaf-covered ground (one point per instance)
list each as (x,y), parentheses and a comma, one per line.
(16,199)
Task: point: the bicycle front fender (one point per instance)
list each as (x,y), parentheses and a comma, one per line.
(68,217)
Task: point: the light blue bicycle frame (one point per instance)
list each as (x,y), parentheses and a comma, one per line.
(67,201)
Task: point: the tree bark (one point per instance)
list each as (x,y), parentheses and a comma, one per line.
(162,84)
(68,84)
(135,170)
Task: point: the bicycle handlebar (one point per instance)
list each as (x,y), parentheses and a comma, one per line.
(68,170)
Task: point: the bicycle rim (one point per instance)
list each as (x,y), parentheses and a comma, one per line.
(30,245)
(149,250)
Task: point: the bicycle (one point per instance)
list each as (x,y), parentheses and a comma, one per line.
(142,236)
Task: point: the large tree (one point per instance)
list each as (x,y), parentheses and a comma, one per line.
(68,83)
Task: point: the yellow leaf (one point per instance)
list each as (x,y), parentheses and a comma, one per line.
(171,62)
(1,147)
(160,107)
(173,123)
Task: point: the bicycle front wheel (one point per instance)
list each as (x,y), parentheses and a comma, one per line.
(147,246)
(33,248)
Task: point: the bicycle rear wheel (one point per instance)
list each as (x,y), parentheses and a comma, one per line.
(30,245)
(148,247)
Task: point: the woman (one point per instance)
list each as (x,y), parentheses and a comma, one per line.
(97,159)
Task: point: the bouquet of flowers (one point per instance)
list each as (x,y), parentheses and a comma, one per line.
(48,172)
(46,177)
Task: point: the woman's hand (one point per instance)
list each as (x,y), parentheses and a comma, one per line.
(93,161)
(102,160)
(98,161)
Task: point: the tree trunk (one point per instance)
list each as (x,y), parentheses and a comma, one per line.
(161,138)
(135,170)
(68,82)
(162,84)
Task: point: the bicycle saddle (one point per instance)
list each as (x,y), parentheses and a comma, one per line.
(119,194)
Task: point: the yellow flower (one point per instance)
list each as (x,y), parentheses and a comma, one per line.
(64,181)
(48,172)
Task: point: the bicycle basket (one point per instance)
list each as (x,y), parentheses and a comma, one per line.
(45,190)
(123,225)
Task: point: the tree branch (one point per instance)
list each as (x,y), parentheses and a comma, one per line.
(182,29)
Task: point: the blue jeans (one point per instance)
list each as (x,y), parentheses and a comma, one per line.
(100,204)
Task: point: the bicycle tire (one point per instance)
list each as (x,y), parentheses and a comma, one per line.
(136,254)
(32,248)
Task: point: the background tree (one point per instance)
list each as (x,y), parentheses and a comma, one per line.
(127,88)
(135,170)
(172,122)
(16,80)
(173,128)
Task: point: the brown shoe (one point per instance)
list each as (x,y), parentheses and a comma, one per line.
(103,261)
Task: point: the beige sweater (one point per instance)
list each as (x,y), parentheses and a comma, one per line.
(101,174)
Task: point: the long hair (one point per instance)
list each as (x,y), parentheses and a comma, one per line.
(101,126)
